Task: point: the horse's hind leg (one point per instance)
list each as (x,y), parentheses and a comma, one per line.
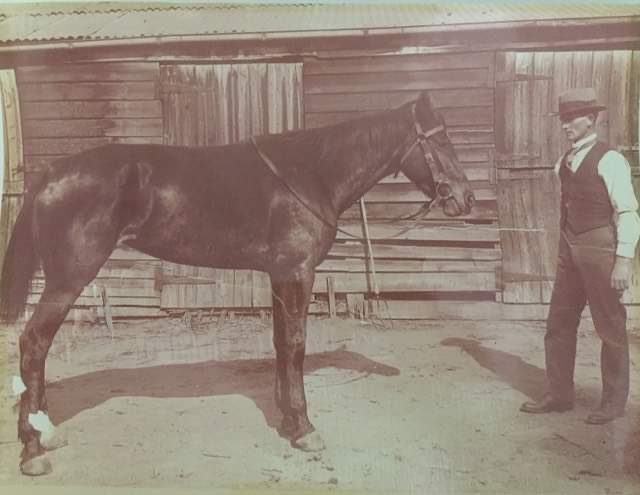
(35,342)
(291,296)
(70,261)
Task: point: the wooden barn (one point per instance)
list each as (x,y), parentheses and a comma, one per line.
(76,77)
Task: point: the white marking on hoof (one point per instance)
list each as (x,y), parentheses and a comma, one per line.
(41,422)
(38,466)
(311,442)
(17,386)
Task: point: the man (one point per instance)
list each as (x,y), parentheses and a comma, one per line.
(599,229)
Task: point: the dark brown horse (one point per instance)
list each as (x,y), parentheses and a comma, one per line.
(271,205)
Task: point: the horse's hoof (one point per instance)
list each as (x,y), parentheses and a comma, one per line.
(287,427)
(57,441)
(311,442)
(37,466)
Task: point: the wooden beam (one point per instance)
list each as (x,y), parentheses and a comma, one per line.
(424,231)
(529,29)
(67,146)
(119,71)
(593,33)
(116,127)
(96,109)
(409,282)
(354,249)
(69,91)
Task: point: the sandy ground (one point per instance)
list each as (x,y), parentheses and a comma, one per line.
(420,407)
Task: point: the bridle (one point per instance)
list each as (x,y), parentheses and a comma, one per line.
(443,190)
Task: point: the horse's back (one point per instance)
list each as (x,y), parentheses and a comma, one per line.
(211,206)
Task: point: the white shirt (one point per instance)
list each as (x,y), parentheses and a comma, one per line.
(616,174)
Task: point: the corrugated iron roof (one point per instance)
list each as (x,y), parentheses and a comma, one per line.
(98,21)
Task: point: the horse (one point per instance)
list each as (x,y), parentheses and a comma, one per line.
(270,204)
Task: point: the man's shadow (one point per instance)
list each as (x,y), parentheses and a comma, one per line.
(252,378)
(531,381)
(513,370)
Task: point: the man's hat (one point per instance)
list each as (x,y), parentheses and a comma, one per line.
(578,101)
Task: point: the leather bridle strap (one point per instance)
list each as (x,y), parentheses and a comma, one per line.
(299,197)
(421,135)
(421,138)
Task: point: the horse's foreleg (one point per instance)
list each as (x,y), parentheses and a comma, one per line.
(290,305)
(34,427)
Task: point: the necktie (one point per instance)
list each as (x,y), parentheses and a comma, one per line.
(574,151)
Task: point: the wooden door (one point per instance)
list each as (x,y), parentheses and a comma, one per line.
(222,104)
(528,143)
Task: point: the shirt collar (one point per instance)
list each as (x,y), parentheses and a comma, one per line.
(585,141)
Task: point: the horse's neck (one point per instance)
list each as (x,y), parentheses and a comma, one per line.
(359,157)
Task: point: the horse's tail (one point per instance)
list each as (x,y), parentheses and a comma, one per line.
(20,263)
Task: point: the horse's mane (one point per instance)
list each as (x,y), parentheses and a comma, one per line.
(317,146)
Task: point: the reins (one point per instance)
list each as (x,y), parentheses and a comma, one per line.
(293,191)
(422,139)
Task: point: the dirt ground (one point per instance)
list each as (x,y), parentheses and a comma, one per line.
(417,407)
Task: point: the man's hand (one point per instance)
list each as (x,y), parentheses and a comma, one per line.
(621,273)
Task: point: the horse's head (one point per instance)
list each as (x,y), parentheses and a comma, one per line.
(431,162)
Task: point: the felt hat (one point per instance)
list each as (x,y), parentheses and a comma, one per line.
(578,101)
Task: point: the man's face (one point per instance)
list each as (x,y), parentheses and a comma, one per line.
(577,127)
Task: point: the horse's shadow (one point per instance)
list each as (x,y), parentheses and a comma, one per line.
(252,378)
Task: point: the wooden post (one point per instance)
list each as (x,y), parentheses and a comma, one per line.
(331,293)
(106,306)
(98,306)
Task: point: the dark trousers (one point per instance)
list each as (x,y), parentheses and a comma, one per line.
(585,263)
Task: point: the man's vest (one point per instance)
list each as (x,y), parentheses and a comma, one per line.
(585,203)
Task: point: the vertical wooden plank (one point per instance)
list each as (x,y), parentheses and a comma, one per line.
(582,69)
(242,289)
(274,92)
(541,107)
(601,81)
(13,177)
(257,104)
(505,68)
(522,126)
(261,293)
(562,67)
(13,166)
(221,97)
(296,85)
(618,105)
(240,90)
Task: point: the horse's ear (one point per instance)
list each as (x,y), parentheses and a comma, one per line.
(424,101)
(424,107)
